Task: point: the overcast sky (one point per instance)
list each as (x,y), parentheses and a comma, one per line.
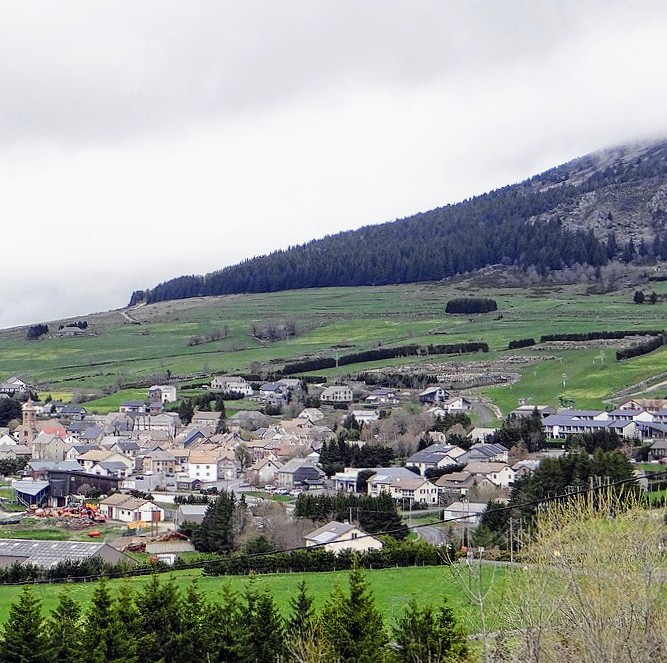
(144,140)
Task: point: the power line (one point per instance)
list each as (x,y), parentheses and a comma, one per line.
(388,532)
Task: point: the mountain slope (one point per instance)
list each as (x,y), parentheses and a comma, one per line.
(611,204)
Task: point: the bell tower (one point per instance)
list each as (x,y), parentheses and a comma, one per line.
(29,423)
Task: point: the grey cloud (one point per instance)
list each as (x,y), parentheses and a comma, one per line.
(106,70)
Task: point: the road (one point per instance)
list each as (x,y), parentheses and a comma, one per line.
(433,534)
(485,413)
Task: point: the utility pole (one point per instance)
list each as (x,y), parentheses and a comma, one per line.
(511,540)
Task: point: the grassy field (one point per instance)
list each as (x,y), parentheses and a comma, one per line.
(333,321)
(392,588)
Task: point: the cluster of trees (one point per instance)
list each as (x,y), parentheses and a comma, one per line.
(600,335)
(222,525)
(338,454)
(641,348)
(525,431)
(471,305)
(640,298)
(606,440)
(274,330)
(208,402)
(81,324)
(10,410)
(521,343)
(561,476)
(374,514)
(35,331)
(210,337)
(159,623)
(383,353)
(10,466)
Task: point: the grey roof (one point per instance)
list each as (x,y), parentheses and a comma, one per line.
(30,487)
(60,465)
(329,532)
(193,509)
(46,554)
(431,454)
(112,465)
(133,404)
(90,433)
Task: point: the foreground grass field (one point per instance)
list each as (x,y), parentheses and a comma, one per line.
(170,340)
(392,588)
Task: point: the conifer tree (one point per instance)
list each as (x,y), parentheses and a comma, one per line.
(217,532)
(425,635)
(159,620)
(303,616)
(230,634)
(266,626)
(64,631)
(23,637)
(194,641)
(352,624)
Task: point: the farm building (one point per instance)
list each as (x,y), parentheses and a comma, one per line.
(46,554)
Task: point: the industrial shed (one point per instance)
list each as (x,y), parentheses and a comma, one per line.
(46,554)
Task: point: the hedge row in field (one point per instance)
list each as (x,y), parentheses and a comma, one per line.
(382,354)
(471,305)
(521,343)
(599,335)
(641,348)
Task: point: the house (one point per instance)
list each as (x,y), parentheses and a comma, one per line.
(14,386)
(234,384)
(435,456)
(648,404)
(47,554)
(111,468)
(383,396)
(312,414)
(263,471)
(335,536)
(456,482)
(130,509)
(91,435)
(205,466)
(48,447)
(71,411)
(433,395)
(273,391)
(465,513)
(164,393)
(365,416)
(499,474)
(402,484)
(88,459)
(203,419)
(529,411)
(158,461)
(299,472)
(482,451)
(336,394)
(133,407)
(456,405)
(658,449)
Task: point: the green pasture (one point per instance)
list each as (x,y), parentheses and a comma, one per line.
(338,321)
(392,588)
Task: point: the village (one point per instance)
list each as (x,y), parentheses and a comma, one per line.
(140,469)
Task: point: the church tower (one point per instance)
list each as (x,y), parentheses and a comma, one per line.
(29,427)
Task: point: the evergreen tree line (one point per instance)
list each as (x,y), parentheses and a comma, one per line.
(374,514)
(520,343)
(35,331)
(471,305)
(160,623)
(383,353)
(555,477)
(495,228)
(600,335)
(317,559)
(641,348)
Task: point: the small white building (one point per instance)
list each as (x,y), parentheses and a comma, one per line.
(464,513)
(336,394)
(335,536)
(165,393)
(128,509)
(231,383)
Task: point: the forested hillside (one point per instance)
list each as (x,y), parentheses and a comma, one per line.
(604,206)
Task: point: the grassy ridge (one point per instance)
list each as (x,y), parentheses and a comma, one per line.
(355,318)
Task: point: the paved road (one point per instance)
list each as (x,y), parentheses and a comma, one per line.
(485,413)
(433,534)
